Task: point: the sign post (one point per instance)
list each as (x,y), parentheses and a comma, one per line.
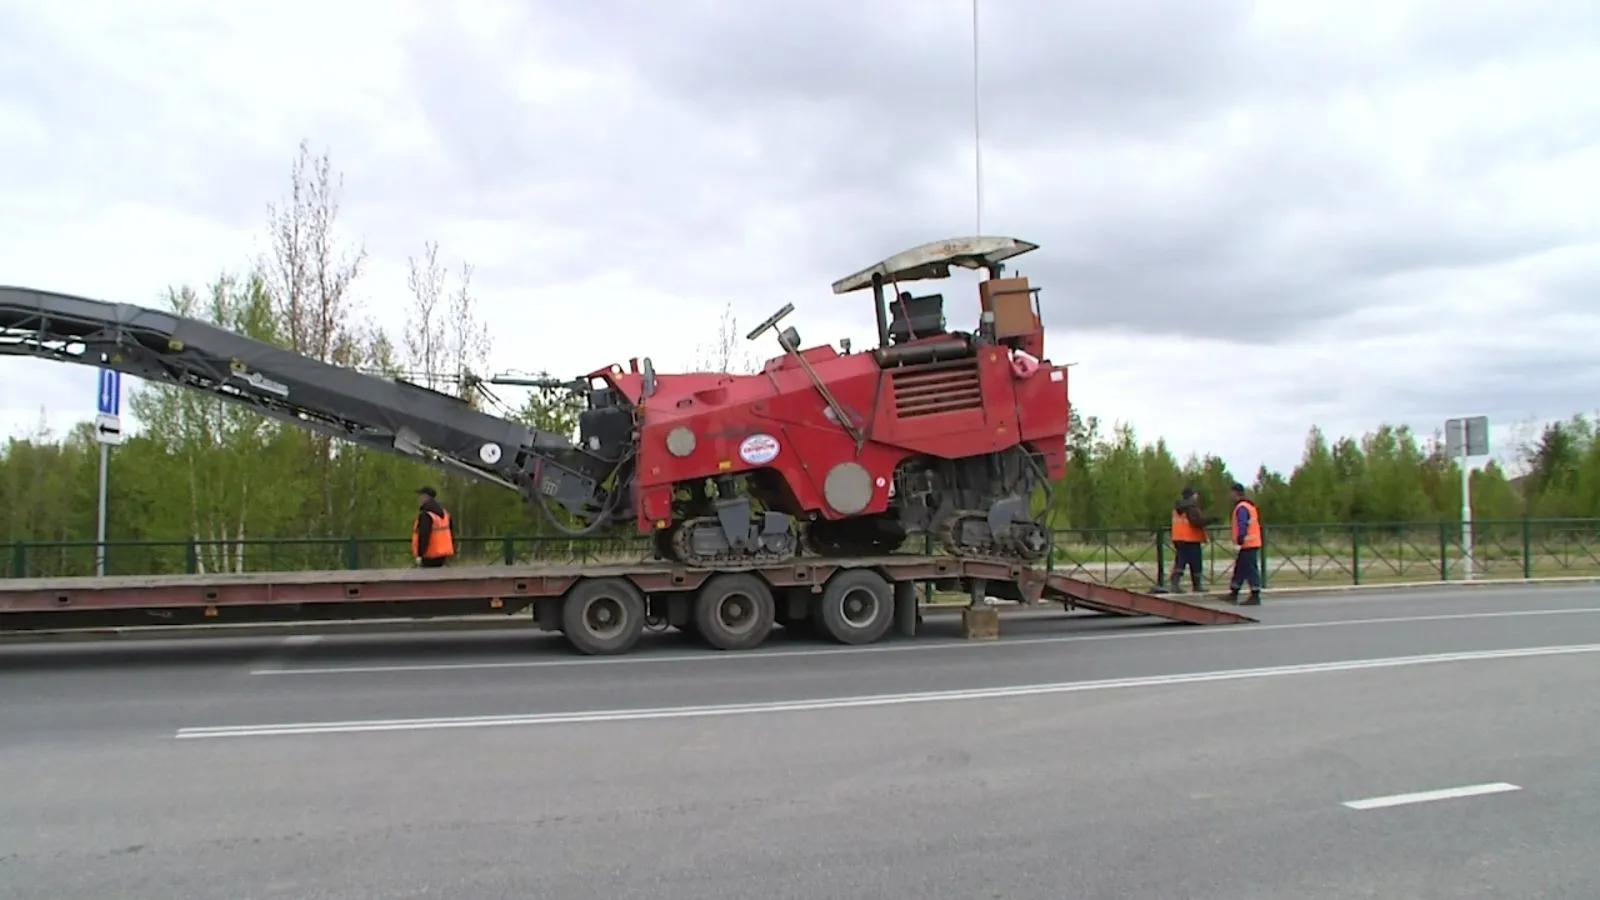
(108,431)
(1463,439)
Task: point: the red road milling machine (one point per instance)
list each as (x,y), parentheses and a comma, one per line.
(935,431)
(844,454)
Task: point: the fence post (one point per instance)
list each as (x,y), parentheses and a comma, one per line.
(352,553)
(1527,546)
(508,551)
(1444,551)
(1212,552)
(1355,555)
(19,560)
(1161,561)
(191,557)
(1105,556)
(1261,556)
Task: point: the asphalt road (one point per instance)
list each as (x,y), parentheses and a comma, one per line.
(1097,758)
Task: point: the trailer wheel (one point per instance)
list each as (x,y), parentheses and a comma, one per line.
(603,616)
(734,611)
(856,606)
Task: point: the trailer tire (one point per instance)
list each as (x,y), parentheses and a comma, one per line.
(603,616)
(856,606)
(734,611)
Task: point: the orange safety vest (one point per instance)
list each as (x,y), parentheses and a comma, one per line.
(1185,531)
(1252,532)
(440,544)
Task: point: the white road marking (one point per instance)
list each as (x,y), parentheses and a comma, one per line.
(735,709)
(1471,790)
(285,649)
(921,646)
(1431,591)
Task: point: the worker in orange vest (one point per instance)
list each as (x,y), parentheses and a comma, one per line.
(431,541)
(1188,540)
(1247,535)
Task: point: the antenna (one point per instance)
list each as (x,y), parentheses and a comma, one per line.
(977,129)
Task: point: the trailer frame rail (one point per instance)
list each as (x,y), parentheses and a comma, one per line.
(666,593)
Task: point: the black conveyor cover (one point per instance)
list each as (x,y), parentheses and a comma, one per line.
(366,409)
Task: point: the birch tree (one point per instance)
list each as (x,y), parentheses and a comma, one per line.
(726,351)
(309,271)
(469,340)
(221,449)
(447,342)
(423,340)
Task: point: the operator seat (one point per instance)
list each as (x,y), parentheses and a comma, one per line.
(916,317)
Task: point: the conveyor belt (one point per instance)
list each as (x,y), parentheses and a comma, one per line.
(369,410)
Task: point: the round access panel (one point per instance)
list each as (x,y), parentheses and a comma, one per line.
(848,488)
(680,441)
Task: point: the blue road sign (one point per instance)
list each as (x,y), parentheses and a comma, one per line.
(109,400)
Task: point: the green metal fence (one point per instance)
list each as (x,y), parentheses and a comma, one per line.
(1368,553)
(1293,555)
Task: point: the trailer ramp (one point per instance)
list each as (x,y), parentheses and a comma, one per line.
(1083,594)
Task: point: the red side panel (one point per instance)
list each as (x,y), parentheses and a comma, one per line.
(779,420)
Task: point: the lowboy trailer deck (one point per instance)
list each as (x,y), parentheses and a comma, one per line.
(600,609)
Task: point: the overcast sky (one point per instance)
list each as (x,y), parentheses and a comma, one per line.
(1254,216)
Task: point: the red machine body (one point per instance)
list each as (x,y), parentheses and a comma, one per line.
(777,420)
(826,436)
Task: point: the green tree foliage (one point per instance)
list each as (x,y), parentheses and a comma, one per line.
(1387,475)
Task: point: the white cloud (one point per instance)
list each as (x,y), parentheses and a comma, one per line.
(1254,217)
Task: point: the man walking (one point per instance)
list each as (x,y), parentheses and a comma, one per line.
(1188,540)
(1246,529)
(431,540)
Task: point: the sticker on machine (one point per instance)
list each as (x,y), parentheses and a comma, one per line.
(758,449)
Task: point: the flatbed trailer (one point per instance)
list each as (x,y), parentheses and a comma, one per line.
(601,609)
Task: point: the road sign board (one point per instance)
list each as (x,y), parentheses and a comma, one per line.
(108,429)
(1471,434)
(108,399)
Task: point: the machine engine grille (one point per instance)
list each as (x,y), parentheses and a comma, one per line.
(935,388)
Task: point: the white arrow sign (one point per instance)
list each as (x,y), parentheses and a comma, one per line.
(108,429)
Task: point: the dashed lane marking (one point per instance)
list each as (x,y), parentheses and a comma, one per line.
(1471,790)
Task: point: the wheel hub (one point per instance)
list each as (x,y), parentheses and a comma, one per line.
(604,616)
(736,612)
(859,608)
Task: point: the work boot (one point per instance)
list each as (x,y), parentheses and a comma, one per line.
(1233,595)
(1255,599)
(1194,581)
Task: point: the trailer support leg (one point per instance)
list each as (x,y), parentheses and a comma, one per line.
(906,611)
(980,621)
